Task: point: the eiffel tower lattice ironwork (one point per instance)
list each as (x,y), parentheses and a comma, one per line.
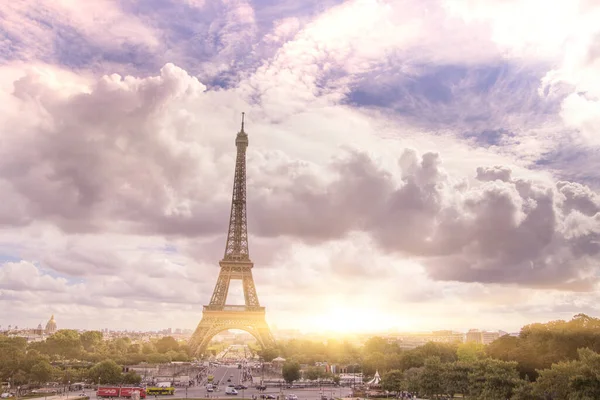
(236,264)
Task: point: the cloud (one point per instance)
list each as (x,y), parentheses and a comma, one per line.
(423,157)
(127,155)
(35,30)
(502,230)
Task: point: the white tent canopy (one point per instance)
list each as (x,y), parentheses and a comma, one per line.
(376,379)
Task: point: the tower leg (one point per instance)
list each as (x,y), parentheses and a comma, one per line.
(215,322)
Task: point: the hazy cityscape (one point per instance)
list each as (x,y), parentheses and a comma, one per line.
(406,340)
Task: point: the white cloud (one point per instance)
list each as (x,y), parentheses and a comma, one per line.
(30,28)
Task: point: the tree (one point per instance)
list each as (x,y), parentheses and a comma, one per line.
(556,381)
(120,345)
(373,362)
(132,378)
(42,372)
(585,385)
(291,371)
(268,354)
(148,348)
(91,340)
(106,372)
(431,380)
(470,352)
(65,343)
(493,379)
(19,378)
(157,358)
(311,373)
(166,344)
(392,381)
(455,377)
(412,379)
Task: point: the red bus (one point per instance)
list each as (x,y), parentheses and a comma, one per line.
(117,391)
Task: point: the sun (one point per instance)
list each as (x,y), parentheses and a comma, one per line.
(341,319)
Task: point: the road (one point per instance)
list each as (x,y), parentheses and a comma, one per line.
(197,392)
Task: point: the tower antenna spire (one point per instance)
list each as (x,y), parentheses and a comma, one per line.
(243,113)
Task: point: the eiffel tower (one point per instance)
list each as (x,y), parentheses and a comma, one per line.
(236,264)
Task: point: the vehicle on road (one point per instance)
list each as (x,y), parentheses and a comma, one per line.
(155,390)
(231,391)
(268,396)
(117,391)
(291,397)
(241,387)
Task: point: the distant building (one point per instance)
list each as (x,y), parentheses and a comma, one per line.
(413,340)
(51,326)
(482,337)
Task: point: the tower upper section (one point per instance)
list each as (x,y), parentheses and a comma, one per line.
(236,248)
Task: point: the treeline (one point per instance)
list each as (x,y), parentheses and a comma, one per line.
(492,379)
(527,361)
(70,356)
(537,347)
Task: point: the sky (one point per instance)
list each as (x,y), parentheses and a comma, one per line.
(413,165)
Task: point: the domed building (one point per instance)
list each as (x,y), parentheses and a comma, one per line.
(51,326)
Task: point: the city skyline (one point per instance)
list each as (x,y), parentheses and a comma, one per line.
(412,166)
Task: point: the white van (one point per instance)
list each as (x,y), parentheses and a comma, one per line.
(230,390)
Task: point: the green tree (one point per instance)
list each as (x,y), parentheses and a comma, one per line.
(456,377)
(470,352)
(432,377)
(268,354)
(372,363)
(132,378)
(19,378)
(412,379)
(166,344)
(12,352)
(148,348)
(525,391)
(157,358)
(493,379)
(392,381)
(556,381)
(106,372)
(585,385)
(64,343)
(311,373)
(291,371)
(42,372)
(91,340)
